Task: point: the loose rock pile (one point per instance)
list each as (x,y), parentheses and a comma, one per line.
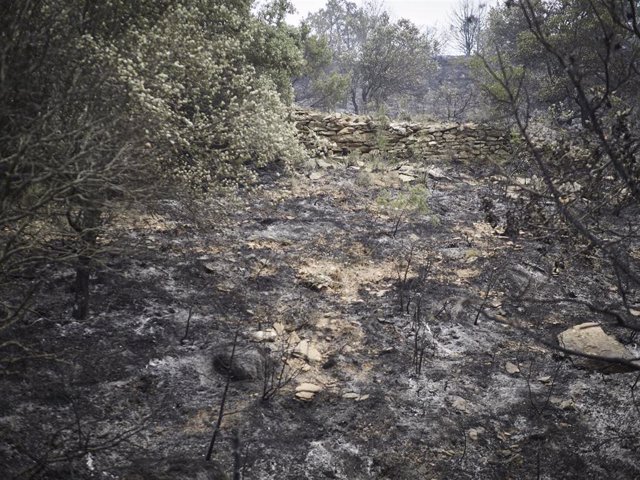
(340,134)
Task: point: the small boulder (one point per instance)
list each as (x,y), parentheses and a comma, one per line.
(307,391)
(305,396)
(269,335)
(590,339)
(511,368)
(307,351)
(308,387)
(351,396)
(247,364)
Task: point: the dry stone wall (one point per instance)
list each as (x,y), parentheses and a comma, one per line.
(340,134)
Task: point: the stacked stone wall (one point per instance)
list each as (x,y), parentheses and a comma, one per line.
(340,134)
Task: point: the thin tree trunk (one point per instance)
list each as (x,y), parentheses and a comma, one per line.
(86,224)
(354,102)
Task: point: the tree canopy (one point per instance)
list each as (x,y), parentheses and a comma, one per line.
(108,103)
(378,57)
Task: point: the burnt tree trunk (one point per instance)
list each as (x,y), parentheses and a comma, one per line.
(86,223)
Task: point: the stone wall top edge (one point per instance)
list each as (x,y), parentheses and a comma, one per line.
(301,114)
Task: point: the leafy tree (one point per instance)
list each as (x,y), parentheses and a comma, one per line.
(379,57)
(105,104)
(395,59)
(319,84)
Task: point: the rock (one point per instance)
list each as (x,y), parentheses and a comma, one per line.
(307,351)
(305,396)
(316,175)
(294,339)
(308,387)
(511,368)
(437,174)
(406,178)
(568,405)
(307,391)
(264,335)
(398,128)
(351,396)
(248,363)
(209,267)
(324,164)
(278,328)
(590,339)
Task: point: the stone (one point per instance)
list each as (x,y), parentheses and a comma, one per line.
(279,328)
(351,396)
(316,175)
(308,387)
(398,128)
(305,396)
(511,368)
(406,140)
(324,164)
(248,363)
(437,174)
(406,178)
(307,351)
(590,339)
(294,339)
(567,405)
(264,335)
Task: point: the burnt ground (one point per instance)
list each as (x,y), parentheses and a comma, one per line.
(125,395)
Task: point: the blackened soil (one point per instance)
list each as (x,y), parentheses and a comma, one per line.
(132,392)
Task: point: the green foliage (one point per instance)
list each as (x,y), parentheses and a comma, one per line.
(405,205)
(108,103)
(331,89)
(382,58)
(198,83)
(546,47)
(414,200)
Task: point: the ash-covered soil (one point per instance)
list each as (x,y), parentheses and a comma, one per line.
(314,272)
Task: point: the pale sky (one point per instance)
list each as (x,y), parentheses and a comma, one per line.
(424,13)
(432,13)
